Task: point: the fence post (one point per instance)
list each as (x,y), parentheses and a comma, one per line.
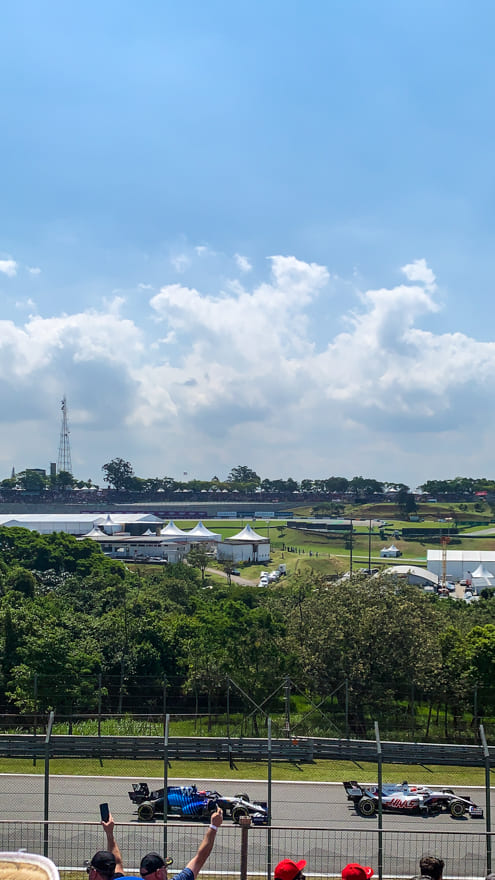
(35,724)
(245,823)
(380,816)
(47,783)
(228,709)
(347,708)
(269,805)
(413,713)
(287,705)
(165,784)
(486,755)
(99,717)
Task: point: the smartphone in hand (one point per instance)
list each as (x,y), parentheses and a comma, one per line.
(104,812)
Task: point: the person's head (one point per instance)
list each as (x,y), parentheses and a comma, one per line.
(490,877)
(289,870)
(103,864)
(154,866)
(354,871)
(431,866)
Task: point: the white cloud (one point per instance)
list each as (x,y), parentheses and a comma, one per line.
(8,267)
(418,270)
(239,375)
(142,286)
(243,263)
(180,262)
(33,270)
(202,250)
(26,304)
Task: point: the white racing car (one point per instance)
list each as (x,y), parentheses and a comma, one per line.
(404,798)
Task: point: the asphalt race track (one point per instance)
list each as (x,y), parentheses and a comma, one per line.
(314,821)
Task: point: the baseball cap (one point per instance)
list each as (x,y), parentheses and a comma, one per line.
(152,862)
(356,872)
(287,869)
(104,862)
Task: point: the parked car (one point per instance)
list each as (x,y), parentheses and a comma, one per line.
(402,797)
(189,802)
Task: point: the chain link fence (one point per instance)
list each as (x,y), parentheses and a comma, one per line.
(55,815)
(326,850)
(136,705)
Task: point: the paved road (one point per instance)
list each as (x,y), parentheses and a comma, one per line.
(234,577)
(311,820)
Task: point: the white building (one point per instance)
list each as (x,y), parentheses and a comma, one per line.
(461,564)
(77,523)
(246,546)
(413,574)
(135,548)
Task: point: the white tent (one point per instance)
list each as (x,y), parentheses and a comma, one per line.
(246,546)
(390,551)
(171,530)
(482,577)
(201,533)
(248,534)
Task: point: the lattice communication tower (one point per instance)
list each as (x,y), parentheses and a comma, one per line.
(64,462)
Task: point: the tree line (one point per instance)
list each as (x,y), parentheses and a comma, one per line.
(118,474)
(68,614)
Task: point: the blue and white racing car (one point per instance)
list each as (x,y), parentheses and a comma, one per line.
(187,802)
(404,798)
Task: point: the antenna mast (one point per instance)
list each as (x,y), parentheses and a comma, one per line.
(64,462)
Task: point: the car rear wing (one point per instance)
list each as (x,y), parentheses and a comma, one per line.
(353,790)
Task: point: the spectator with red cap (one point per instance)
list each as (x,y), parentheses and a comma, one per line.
(354,871)
(289,870)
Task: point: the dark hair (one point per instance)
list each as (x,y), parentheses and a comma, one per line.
(431,866)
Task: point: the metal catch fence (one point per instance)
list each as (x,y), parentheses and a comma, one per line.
(326,850)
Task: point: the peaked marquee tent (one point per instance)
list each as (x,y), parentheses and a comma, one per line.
(246,546)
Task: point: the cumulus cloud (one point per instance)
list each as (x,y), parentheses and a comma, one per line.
(419,271)
(250,353)
(243,263)
(8,267)
(239,375)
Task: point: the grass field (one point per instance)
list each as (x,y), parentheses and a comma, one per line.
(321,771)
(329,555)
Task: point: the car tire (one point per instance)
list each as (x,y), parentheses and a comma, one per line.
(146,811)
(237,812)
(366,807)
(244,796)
(457,809)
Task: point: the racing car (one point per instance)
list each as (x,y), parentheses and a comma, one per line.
(187,802)
(404,798)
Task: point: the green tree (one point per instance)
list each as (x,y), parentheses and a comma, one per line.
(198,558)
(406,502)
(243,474)
(22,581)
(118,473)
(32,481)
(64,480)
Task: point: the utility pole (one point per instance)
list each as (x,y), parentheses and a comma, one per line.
(350,551)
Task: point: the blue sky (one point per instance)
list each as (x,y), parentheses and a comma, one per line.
(248,233)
